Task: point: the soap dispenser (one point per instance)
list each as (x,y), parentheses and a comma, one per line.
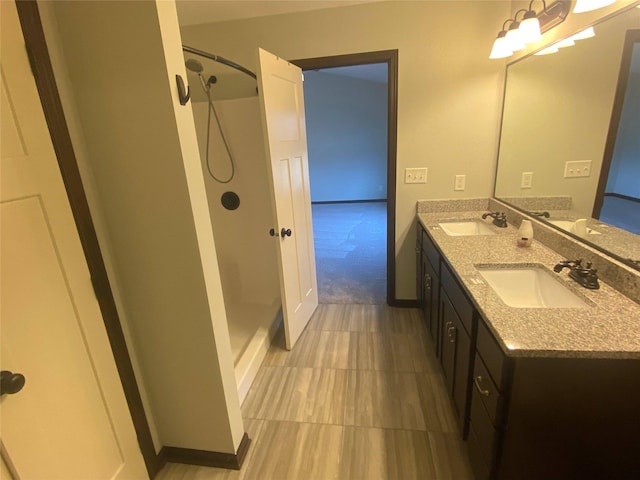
(525,234)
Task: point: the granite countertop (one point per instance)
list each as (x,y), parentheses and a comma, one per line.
(608,327)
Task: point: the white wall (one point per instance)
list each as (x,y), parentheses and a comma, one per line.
(449,92)
(346,137)
(246,253)
(140,149)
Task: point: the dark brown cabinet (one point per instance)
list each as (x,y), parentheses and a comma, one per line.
(448,318)
(535,417)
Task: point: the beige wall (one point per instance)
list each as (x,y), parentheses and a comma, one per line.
(139,159)
(449,92)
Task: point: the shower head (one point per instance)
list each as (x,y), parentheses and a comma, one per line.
(194,65)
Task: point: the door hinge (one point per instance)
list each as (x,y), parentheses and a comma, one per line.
(32,62)
(95,286)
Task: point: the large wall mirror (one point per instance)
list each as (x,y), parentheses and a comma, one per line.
(570,139)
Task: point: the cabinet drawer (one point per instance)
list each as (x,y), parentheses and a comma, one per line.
(491,353)
(486,391)
(485,432)
(458,298)
(432,252)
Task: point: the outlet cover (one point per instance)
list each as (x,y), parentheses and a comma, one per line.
(577,168)
(527,180)
(460,182)
(415,175)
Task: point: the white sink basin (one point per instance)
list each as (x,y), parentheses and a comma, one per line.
(466,227)
(530,287)
(570,226)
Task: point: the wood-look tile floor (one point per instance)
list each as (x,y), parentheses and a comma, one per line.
(361,396)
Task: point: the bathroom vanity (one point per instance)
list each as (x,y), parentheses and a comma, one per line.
(541,391)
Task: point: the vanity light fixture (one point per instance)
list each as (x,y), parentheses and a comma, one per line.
(571,41)
(548,50)
(588,5)
(500,46)
(514,37)
(529,29)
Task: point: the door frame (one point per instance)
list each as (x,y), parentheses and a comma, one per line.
(632,37)
(54,114)
(390,57)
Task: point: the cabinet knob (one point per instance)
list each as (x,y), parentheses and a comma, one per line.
(10,382)
(285,232)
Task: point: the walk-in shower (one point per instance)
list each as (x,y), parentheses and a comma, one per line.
(235,152)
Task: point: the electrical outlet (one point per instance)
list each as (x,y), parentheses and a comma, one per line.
(460,182)
(577,168)
(527,180)
(415,175)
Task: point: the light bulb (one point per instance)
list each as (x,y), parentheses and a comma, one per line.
(567,42)
(500,47)
(586,33)
(547,51)
(530,28)
(514,38)
(588,5)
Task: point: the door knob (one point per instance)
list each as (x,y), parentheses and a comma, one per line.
(286,232)
(10,382)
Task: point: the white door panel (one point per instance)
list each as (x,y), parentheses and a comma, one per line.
(70,420)
(282,105)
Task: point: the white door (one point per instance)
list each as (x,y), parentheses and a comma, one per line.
(70,420)
(282,105)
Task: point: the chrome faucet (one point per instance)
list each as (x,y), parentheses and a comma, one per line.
(499,218)
(539,214)
(584,275)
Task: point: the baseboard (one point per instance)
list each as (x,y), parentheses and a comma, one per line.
(329,202)
(405,303)
(624,197)
(205,457)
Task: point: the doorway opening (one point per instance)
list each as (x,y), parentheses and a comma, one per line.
(351,110)
(618,193)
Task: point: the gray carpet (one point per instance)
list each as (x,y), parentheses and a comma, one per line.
(351,252)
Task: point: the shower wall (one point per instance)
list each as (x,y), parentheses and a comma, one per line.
(246,252)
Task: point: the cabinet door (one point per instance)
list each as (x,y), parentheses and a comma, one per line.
(430,299)
(419,272)
(455,359)
(448,340)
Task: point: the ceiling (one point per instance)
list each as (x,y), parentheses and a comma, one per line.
(194,12)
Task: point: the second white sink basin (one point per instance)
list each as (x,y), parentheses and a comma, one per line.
(466,227)
(530,287)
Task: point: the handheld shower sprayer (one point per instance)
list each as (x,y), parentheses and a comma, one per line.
(196,67)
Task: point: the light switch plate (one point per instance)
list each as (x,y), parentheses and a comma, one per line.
(460,182)
(577,168)
(527,180)
(415,175)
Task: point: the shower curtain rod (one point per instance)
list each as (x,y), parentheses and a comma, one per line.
(218,59)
